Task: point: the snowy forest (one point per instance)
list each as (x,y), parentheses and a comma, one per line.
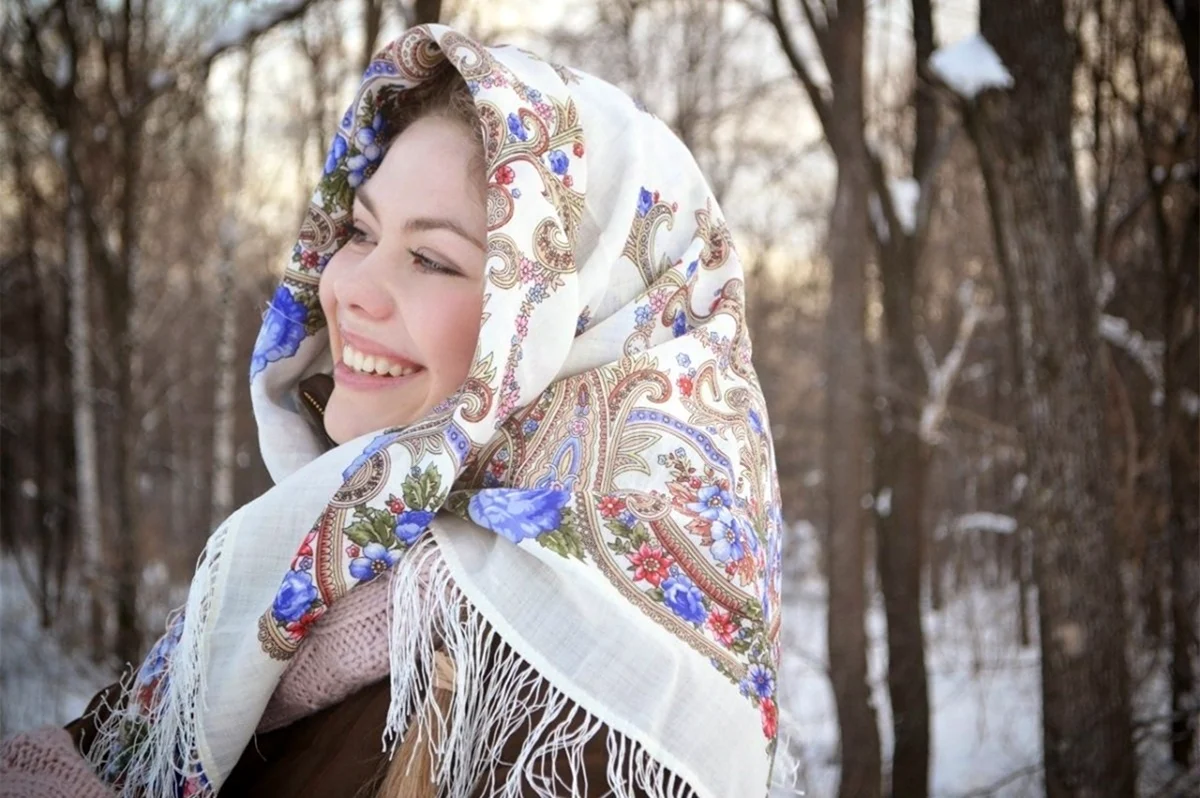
(973,274)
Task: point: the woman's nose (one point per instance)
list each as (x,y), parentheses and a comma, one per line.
(360,289)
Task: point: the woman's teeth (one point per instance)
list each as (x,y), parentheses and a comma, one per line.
(374,364)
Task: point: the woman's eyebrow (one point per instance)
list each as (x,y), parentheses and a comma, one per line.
(438,223)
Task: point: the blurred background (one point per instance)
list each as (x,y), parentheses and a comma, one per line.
(971,244)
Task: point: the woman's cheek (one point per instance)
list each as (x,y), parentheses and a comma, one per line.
(461,332)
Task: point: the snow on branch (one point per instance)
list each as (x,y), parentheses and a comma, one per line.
(969,67)
(985,522)
(255,22)
(905,194)
(941,376)
(1147,354)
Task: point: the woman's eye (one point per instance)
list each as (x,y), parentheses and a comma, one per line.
(431,266)
(358,235)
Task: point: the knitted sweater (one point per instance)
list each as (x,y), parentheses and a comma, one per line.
(346,651)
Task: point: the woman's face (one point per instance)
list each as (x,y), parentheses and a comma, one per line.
(403,297)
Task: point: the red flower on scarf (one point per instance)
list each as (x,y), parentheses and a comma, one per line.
(685,385)
(651,564)
(770,717)
(568,181)
(309,259)
(505,175)
(722,626)
(395,506)
(611,506)
(578,149)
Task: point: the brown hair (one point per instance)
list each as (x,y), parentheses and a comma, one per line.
(443,94)
(410,772)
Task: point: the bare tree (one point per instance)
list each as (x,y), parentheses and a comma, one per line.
(902,451)
(1023,137)
(226,365)
(1181,389)
(839,31)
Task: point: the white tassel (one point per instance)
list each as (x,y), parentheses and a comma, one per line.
(153,766)
(497,696)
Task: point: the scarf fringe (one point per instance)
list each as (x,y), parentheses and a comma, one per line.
(497,697)
(150,755)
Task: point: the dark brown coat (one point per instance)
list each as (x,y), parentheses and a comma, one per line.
(335,753)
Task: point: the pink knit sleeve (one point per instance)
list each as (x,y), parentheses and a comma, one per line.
(45,764)
(346,651)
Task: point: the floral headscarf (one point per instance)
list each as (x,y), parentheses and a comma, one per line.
(601,494)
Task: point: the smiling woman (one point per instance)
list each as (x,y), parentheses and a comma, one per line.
(540,426)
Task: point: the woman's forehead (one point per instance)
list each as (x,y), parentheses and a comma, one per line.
(429,166)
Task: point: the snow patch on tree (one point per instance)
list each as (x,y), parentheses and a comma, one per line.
(905,194)
(242,29)
(986,522)
(970,66)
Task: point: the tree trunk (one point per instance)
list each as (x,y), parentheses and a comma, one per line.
(1181,377)
(846,416)
(226,366)
(426,11)
(1024,141)
(900,465)
(87,473)
(902,460)
(372,20)
(1181,372)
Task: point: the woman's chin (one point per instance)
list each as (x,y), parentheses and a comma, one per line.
(345,421)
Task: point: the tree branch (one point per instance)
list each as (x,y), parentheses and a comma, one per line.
(816,95)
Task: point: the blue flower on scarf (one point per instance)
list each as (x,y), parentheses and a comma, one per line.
(368,140)
(645,200)
(684,599)
(337,151)
(691,269)
(534,96)
(729,545)
(679,323)
(282,330)
(516,127)
(377,443)
(517,513)
(559,162)
(376,558)
(756,421)
(295,596)
(683,360)
(155,663)
(714,502)
(411,523)
(759,681)
(641,315)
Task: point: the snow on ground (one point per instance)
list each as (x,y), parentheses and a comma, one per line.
(984,692)
(970,66)
(40,682)
(984,688)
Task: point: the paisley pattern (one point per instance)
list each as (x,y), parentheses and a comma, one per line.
(653,464)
